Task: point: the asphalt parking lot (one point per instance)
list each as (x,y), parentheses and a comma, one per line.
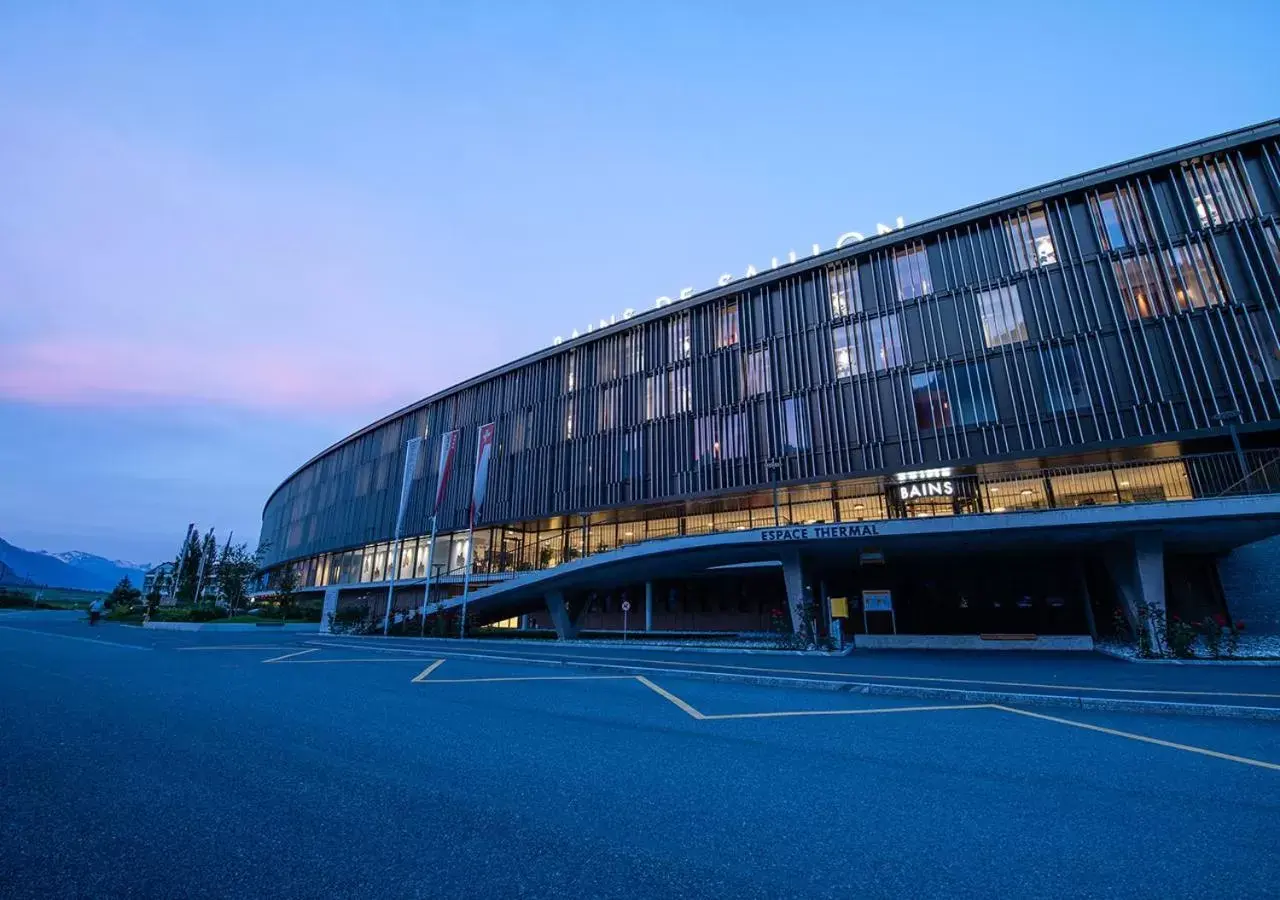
(167,764)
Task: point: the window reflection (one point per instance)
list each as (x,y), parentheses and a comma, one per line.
(873,345)
(1000,311)
(911,265)
(960,396)
(1030,241)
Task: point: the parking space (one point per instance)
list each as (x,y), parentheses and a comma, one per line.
(579,777)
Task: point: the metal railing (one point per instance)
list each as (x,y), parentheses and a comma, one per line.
(990,490)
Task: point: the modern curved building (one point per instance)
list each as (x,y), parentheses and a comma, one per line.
(1014,418)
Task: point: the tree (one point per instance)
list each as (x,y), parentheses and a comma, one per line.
(206,574)
(236,571)
(186,568)
(286,589)
(124,594)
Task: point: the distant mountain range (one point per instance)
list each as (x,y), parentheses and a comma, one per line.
(73,569)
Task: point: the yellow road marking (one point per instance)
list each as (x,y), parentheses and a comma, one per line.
(242,647)
(422,676)
(846,712)
(531,678)
(604,661)
(1143,738)
(663,692)
(325,662)
(291,655)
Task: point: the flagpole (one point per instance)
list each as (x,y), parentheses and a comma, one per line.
(391,583)
(411,450)
(426,591)
(466,575)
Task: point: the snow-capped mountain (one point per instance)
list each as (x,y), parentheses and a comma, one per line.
(71,569)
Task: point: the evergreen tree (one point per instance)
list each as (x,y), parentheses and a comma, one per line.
(187,568)
(209,557)
(124,594)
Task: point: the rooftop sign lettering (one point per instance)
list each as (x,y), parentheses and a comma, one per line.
(844,240)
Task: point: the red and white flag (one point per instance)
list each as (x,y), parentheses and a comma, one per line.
(484,452)
(448,450)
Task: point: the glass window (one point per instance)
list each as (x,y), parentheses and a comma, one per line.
(886,343)
(679,396)
(842,288)
(759,377)
(1030,241)
(633,351)
(1121,221)
(678,343)
(570,376)
(795,426)
(867,346)
(1218,194)
(1195,277)
(706,446)
(727,325)
(655,396)
(1000,310)
(911,265)
(1192,274)
(732,437)
(1063,383)
(607,411)
(961,396)
(841,339)
(1140,290)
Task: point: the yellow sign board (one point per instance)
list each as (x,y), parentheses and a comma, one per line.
(839,607)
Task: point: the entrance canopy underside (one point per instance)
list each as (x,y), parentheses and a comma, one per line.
(1199,526)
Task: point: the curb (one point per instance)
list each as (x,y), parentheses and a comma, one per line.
(614,645)
(1069,701)
(1187,662)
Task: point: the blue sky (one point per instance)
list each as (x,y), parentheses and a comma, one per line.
(233,232)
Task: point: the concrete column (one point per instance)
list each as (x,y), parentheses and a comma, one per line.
(648,606)
(1138,571)
(793,577)
(1249,576)
(566,616)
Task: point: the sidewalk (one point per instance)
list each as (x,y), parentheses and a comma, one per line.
(1082,680)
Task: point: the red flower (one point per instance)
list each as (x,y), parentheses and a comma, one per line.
(1220,619)
(1176,619)
(1240,625)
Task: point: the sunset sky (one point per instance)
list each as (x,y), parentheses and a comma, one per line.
(231,233)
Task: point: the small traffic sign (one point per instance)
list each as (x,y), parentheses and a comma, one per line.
(626,606)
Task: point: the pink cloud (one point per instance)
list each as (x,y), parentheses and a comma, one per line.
(134,273)
(81,370)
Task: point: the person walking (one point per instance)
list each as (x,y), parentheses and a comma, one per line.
(95,611)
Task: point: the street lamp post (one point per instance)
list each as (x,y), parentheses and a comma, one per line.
(1231,418)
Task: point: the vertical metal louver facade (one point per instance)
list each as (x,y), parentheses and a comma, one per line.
(1131,305)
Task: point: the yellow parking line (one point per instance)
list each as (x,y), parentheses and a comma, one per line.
(325,662)
(613,662)
(291,655)
(846,712)
(422,676)
(241,647)
(663,692)
(1143,738)
(526,678)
